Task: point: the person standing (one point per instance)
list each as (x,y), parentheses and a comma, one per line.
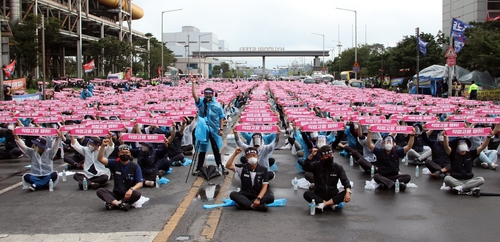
(209,127)
(7,93)
(473,89)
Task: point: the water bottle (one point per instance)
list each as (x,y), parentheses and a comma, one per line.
(406,160)
(396,186)
(157,182)
(238,190)
(372,172)
(85,184)
(351,161)
(295,183)
(312,207)
(51,185)
(417,171)
(64,175)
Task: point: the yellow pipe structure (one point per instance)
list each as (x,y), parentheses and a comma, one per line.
(137,12)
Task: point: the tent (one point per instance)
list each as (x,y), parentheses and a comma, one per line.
(430,76)
(482,78)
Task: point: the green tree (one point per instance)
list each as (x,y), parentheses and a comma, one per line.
(482,47)
(155,49)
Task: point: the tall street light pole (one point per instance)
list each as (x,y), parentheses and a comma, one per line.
(355,37)
(200,70)
(323,48)
(163,43)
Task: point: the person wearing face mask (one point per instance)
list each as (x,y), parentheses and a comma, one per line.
(439,165)
(326,173)
(42,162)
(461,178)
(419,151)
(254,182)
(210,126)
(487,158)
(387,169)
(264,151)
(127,179)
(353,147)
(95,172)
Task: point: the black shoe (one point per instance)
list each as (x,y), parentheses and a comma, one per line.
(475,192)
(196,173)
(402,186)
(417,161)
(94,185)
(436,174)
(33,187)
(124,206)
(239,207)
(110,206)
(80,186)
(262,208)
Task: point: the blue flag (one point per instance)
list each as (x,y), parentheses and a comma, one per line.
(459,42)
(422,45)
(458,27)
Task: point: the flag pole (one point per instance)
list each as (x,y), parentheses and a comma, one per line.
(417,31)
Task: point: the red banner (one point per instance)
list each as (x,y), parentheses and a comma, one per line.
(323,127)
(459,132)
(257,128)
(149,138)
(392,129)
(9,69)
(35,131)
(89,67)
(443,125)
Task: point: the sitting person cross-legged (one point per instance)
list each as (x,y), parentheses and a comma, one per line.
(254,182)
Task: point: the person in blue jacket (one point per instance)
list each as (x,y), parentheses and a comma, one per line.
(85,93)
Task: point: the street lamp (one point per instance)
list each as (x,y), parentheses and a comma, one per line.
(355,37)
(323,47)
(200,71)
(162,43)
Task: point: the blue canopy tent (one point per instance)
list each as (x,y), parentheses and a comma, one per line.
(397,81)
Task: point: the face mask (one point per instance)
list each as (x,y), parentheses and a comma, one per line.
(124,157)
(208,99)
(91,148)
(462,148)
(321,141)
(417,130)
(256,141)
(440,138)
(314,135)
(10,127)
(252,161)
(388,146)
(328,161)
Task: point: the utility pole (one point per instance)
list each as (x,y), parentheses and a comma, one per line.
(43,56)
(417,32)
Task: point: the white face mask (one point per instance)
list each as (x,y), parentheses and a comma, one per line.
(252,161)
(388,146)
(257,141)
(10,127)
(462,148)
(91,148)
(440,138)
(321,141)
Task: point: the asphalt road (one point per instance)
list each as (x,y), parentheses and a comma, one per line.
(425,213)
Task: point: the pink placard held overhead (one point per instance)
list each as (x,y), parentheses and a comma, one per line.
(89,132)
(247,114)
(459,132)
(363,121)
(182,113)
(256,128)
(149,138)
(460,118)
(490,111)
(9,120)
(259,120)
(484,120)
(419,118)
(85,112)
(443,125)
(35,131)
(392,129)
(323,127)
(302,122)
(108,126)
(109,113)
(28,115)
(154,121)
(55,119)
(66,128)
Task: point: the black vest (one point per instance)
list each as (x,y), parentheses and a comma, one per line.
(461,166)
(148,162)
(123,182)
(246,179)
(388,164)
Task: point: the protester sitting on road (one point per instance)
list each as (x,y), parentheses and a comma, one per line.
(487,158)
(76,160)
(326,173)
(149,158)
(11,150)
(461,179)
(264,151)
(352,142)
(387,169)
(368,159)
(85,93)
(187,144)
(95,172)
(254,182)
(419,151)
(127,179)
(174,151)
(42,164)
(439,165)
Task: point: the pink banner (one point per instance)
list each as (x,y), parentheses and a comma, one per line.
(9,120)
(35,131)
(392,129)
(85,112)
(182,113)
(400,109)
(28,115)
(258,114)
(154,121)
(257,128)
(300,113)
(459,132)
(484,120)
(66,128)
(149,138)
(109,113)
(89,132)
(72,117)
(443,125)
(419,118)
(364,121)
(460,118)
(259,120)
(323,127)
(338,109)
(303,122)
(343,114)
(108,126)
(55,119)
(3,114)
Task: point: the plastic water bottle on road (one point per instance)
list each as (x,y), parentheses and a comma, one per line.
(351,161)
(312,207)
(85,184)
(295,183)
(372,172)
(417,171)
(396,186)
(64,175)
(51,185)
(157,182)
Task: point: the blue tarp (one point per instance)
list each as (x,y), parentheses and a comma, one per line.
(397,81)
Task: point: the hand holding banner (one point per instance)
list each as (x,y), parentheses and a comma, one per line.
(461,132)
(392,129)
(28,131)
(149,138)
(257,128)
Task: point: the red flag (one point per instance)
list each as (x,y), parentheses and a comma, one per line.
(89,67)
(9,69)
(129,74)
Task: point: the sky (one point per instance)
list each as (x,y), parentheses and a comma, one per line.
(290,23)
